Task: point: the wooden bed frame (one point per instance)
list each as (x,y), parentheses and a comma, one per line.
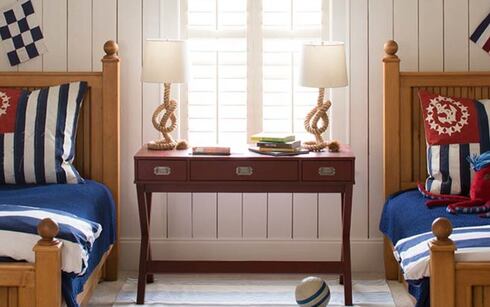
(97,158)
(452,283)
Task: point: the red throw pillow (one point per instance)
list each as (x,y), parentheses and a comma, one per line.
(455,128)
(9,98)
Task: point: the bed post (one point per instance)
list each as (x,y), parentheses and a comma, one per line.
(442,270)
(48,265)
(391,133)
(111,152)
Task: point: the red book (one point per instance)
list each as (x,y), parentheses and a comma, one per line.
(211,150)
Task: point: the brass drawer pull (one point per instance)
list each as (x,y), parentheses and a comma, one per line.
(326,171)
(162,170)
(244,171)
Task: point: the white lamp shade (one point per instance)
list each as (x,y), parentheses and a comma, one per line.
(165,61)
(323,65)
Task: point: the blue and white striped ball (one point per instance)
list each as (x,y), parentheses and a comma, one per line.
(312,291)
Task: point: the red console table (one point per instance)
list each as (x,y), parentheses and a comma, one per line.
(178,171)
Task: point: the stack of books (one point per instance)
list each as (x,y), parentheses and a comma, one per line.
(276,144)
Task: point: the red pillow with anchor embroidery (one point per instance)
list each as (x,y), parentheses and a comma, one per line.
(449,120)
(455,128)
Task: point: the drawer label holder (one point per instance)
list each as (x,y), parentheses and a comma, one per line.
(326,171)
(244,171)
(162,171)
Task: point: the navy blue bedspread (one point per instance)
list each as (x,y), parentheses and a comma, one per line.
(91,200)
(405,214)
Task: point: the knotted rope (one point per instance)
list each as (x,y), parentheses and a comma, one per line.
(319,112)
(165,123)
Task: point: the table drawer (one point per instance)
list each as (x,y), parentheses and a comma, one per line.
(328,171)
(244,171)
(161,170)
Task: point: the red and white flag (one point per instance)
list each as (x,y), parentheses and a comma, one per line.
(481,36)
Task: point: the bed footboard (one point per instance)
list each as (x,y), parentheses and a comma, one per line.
(39,283)
(48,265)
(442,280)
(461,284)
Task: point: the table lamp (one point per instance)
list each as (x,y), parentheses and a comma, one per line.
(322,66)
(165,61)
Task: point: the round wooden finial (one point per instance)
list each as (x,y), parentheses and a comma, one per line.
(391,47)
(48,230)
(442,228)
(111,48)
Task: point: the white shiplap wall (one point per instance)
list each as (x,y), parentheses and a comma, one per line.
(432,34)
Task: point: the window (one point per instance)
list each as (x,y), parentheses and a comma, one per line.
(245,57)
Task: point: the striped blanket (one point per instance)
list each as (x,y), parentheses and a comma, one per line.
(472,243)
(19,224)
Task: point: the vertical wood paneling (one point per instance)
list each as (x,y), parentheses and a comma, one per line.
(280,216)
(170,13)
(305,216)
(456,35)
(380,30)
(339,110)
(104,23)
(329,217)
(479,59)
(80,35)
(170,28)
(151,91)
(204,215)
(150,100)
(179,214)
(229,215)
(55,31)
(358,121)
(129,38)
(431,35)
(254,215)
(35,64)
(405,32)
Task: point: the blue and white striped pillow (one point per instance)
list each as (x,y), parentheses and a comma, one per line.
(40,147)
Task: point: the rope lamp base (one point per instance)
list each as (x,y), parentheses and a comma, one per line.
(312,119)
(314,146)
(164,120)
(162,145)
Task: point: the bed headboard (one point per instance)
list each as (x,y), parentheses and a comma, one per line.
(97,150)
(404,145)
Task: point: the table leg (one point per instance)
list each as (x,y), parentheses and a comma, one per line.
(341,276)
(149,277)
(346,223)
(143,214)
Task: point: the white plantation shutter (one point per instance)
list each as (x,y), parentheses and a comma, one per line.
(225,36)
(287,25)
(217,91)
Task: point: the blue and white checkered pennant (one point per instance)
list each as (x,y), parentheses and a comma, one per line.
(20,32)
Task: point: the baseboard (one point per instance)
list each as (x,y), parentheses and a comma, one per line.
(367,255)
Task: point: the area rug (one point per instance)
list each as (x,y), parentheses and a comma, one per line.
(245,290)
